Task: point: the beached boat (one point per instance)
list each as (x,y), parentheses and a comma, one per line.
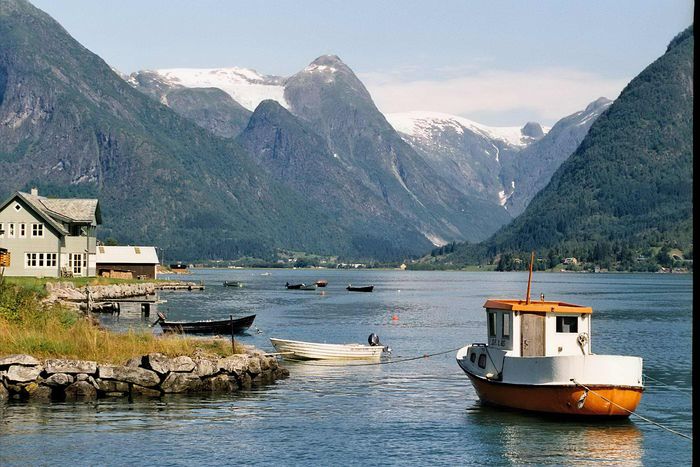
(321,283)
(222,326)
(538,358)
(299,350)
(361,288)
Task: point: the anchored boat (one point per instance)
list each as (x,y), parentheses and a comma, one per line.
(300,350)
(538,358)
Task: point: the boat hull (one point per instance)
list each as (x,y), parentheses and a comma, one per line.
(223,327)
(299,350)
(559,399)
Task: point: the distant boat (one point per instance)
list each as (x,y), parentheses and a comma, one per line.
(222,326)
(321,283)
(265,273)
(308,287)
(360,288)
(233,284)
(293,286)
(299,350)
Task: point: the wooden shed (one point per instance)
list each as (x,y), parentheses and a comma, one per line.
(127,262)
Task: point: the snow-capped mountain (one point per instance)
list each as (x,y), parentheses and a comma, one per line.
(245,86)
(425,125)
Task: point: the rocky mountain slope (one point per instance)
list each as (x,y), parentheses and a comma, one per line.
(627,190)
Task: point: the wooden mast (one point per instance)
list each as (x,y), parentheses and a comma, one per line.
(529,278)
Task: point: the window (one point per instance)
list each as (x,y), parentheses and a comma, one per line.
(76,263)
(18,208)
(505,325)
(40,260)
(492,324)
(38,230)
(2,230)
(10,230)
(22,230)
(472,357)
(482,360)
(567,323)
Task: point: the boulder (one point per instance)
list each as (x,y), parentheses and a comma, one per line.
(245,381)
(22,374)
(136,361)
(4,393)
(18,359)
(281,373)
(129,374)
(235,364)
(205,367)
(220,384)
(137,390)
(70,366)
(254,367)
(81,377)
(38,392)
(80,390)
(163,364)
(110,385)
(59,380)
(181,382)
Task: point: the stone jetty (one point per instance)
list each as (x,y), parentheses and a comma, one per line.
(154,375)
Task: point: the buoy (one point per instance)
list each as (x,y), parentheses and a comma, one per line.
(395,317)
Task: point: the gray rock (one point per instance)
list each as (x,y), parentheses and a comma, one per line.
(81,377)
(4,393)
(205,367)
(18,359)
(181,382)
(129,374)
(22,374)
(59,380)
(281,373)
(254,367)
(92,381)
(70,366)
(38,392)
(110,385)
(137,390)
(235,364)
(163,364)
(81,390)
(136,361)
(220,384)
(245,381)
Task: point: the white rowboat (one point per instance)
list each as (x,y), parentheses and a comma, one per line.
(298,350)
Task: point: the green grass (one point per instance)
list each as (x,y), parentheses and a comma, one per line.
(28,326)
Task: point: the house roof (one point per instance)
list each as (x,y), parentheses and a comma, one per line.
(126,255)
(79,210)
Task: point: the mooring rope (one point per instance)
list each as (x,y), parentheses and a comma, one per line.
(632,412)
(386,362)
(675,388)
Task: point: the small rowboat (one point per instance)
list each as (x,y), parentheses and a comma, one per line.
(321,283)
(299,350)
(362,288)
(293,286)
(233,284)
(223,326)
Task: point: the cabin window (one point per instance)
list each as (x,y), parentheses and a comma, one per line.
(37,230)
(567,323)
(505,326)
(492,324)
(472,357)
(482,360)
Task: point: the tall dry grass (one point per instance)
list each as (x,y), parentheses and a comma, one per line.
(50,331)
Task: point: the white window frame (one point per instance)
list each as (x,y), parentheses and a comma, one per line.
(76,263)
(11,230)
(38,230)
(36,260)
(22,230)
(2,230)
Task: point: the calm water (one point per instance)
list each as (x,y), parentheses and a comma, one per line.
(421,412)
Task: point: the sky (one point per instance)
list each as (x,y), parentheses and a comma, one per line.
(500,63)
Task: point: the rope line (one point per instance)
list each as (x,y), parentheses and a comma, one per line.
(683,390)
(388,362)
(633,413)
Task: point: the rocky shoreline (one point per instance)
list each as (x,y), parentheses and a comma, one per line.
(24,377)
(67,294)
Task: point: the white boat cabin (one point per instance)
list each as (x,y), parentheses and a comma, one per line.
(538,328)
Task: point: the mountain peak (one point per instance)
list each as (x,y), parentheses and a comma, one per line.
(598,103)
(327,64)
(533,130)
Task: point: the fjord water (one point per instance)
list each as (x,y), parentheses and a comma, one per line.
(421,412)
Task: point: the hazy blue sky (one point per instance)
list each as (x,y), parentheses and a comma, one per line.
(497,62)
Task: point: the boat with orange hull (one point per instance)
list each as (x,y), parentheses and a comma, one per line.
(538,358)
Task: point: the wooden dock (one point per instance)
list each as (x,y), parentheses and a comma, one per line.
(181,287)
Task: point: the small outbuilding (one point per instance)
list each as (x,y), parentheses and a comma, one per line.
(127,262)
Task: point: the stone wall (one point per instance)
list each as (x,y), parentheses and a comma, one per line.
(153,375)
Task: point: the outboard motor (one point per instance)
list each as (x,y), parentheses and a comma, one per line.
(373,340)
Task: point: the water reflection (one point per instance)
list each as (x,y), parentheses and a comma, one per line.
(522,438)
